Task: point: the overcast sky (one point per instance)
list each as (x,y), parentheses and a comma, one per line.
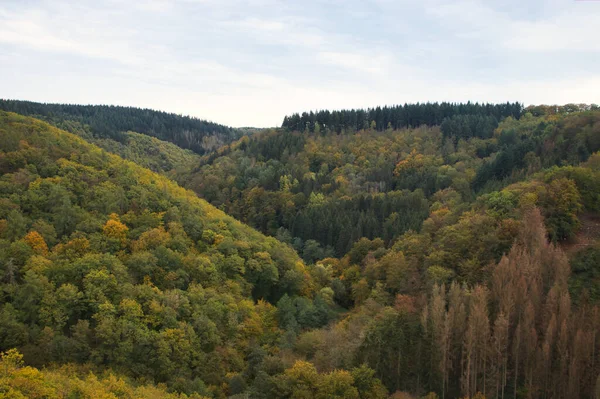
(249,63)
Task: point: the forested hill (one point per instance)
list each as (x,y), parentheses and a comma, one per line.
(113,122)
(400,116)
(323,191)
(105,263)
(433,261)
(443,241)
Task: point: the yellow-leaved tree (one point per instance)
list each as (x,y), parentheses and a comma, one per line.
(114,229)
(36,242)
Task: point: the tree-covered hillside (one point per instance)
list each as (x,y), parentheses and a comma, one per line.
(19,381)
(453,260)
(476,298)
(144,150)
(400,116)
(107,264)
(516,332)
(113,122)
(150,152)
(322,191)
(480,300)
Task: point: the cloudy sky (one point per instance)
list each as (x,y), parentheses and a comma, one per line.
(249,63)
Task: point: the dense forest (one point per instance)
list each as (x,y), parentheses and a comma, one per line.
(22,382)
(321,193)
(113,122)
(423,251)
(397,117)
(108,264)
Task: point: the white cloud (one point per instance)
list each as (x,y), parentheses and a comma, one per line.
(567,26)
(259,24)
(71,32)
(564,33)
(377,65)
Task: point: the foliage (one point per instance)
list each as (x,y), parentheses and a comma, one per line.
(113,122)
(515,332)
(396,117)
(130,271)
(147,151)
(335,189)
(585,281)
(449,279)
(17,381)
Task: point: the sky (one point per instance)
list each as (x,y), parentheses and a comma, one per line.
(250,63)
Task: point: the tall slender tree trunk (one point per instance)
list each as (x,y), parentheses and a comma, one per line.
(504,366)
(517,352)
(484,374)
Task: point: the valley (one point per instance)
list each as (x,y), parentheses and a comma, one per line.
(436,250)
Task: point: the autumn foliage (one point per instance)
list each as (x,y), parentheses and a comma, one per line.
(36,242)
(431,258)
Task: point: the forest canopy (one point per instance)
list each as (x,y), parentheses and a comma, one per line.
(109,121)
(322,192)
(454,254)
(396,117)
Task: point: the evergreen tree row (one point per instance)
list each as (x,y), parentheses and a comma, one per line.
(396,117)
